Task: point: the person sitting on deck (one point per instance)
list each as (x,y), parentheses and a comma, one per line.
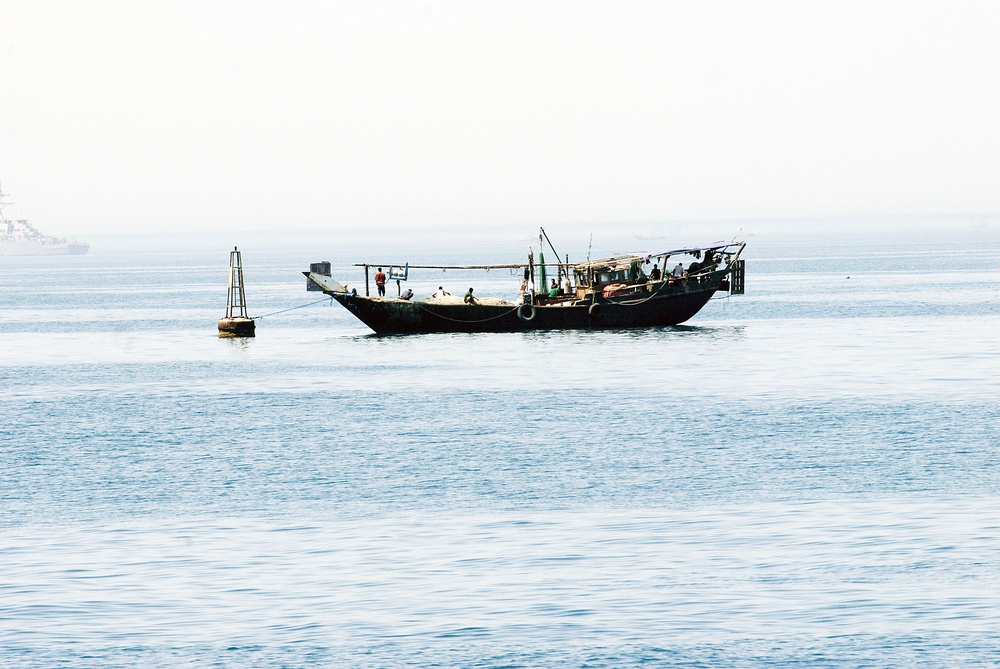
(407,295)
(469,299)
(440,292)
(554,289)
(654,274)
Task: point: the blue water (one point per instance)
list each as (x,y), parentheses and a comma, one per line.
(807,475)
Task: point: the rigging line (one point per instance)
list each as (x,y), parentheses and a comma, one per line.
(459,320)
(444,267)
(559,263)
(308,304)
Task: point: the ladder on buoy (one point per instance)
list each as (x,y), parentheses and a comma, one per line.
(237,323)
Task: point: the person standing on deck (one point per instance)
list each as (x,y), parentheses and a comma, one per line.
(380,282)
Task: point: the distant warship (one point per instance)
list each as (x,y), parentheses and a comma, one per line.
(20,238)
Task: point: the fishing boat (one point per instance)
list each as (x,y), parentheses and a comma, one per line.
(625,291)
(20,238)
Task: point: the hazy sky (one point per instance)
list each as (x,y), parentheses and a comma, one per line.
(215,115)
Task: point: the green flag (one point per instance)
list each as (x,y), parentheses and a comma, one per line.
(544,288)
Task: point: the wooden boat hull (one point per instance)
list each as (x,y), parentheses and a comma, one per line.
(659,304)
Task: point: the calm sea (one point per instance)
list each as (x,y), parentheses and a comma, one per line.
(808,475)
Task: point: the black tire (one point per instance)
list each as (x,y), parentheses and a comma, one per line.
(526,312)
(594,310)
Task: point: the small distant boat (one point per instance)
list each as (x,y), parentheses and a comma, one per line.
(20,238)
(626,291)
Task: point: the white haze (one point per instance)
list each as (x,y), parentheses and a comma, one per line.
(194,116)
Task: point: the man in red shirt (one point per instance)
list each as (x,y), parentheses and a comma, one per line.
(380,282)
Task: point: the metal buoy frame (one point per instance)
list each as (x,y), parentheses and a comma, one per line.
(237,323)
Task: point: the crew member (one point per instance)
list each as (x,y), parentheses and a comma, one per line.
(469,299)
(380,282)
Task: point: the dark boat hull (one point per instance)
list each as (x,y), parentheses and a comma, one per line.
(660,304)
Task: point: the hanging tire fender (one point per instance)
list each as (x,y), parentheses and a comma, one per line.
(595,310)
(526,312)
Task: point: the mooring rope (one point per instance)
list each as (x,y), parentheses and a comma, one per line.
(459,320)
(631,303)
(645,299)
(663,285)
(308,304)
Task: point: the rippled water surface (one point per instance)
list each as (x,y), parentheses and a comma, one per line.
(807,475)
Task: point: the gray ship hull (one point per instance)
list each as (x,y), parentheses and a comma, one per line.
(35,248)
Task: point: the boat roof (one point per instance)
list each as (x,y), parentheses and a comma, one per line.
(614,262)
(624,261)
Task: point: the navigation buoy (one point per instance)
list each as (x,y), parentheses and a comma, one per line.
(236,323)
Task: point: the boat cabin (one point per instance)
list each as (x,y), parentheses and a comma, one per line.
(631,273)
